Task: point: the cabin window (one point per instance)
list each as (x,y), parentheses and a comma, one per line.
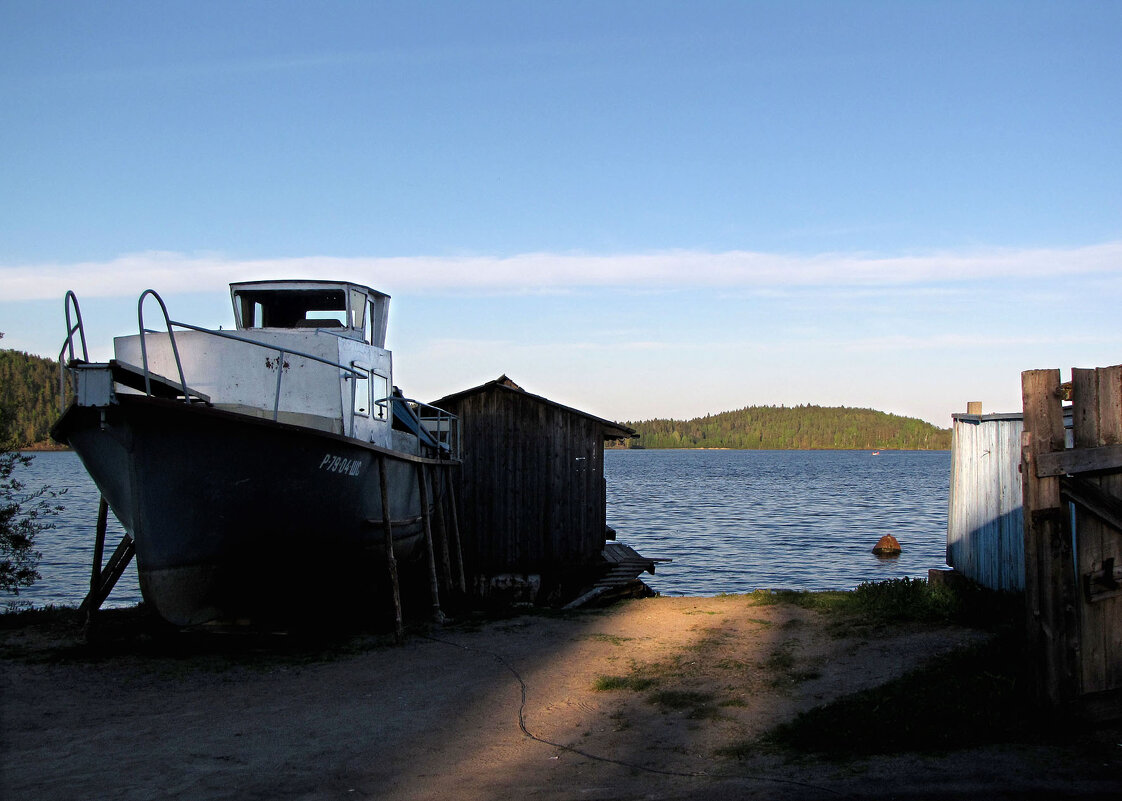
(358,310)
(361,395)
(372,316)
(380,390)
(297,308)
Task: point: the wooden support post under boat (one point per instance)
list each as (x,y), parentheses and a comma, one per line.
(434,584)
(99,551)
(454,531)
(108,577)
(391,561)
(442,533)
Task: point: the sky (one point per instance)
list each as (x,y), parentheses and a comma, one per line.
(640,209)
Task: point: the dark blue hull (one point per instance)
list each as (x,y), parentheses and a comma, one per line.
(236,517)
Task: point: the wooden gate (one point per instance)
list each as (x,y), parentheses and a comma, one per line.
(1073,537)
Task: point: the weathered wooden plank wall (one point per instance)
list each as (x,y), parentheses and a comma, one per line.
(1097,411)
(985,526)
(1050,589)
(532,489)
(1073,576)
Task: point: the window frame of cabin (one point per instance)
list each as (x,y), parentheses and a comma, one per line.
(361,390)
(376,398)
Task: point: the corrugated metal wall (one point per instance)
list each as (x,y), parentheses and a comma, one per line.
(985,525)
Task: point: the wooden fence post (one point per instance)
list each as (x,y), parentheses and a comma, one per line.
(1097,421)
(1050,588)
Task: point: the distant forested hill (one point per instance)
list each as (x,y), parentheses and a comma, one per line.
(793,427)
(29,391)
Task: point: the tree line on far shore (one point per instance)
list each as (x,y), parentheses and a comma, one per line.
(29,391)
(793,428)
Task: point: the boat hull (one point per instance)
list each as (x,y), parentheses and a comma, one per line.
(239,518)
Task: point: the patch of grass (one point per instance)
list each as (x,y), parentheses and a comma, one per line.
(706,712)
(972,697)
(818,601)
(699,704)
(731,664)
(742,749)
(709,641)
(780,660)
(17,616)
(614,639)
(782,669)
(679,699)
(633,683)
(761,598)
(903,600)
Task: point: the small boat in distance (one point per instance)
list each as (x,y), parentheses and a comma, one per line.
(246,466)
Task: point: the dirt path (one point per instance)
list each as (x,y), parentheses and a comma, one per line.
(697,679)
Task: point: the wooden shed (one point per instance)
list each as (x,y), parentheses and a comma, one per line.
(531,490)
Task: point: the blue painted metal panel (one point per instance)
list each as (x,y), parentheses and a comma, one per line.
(985,523)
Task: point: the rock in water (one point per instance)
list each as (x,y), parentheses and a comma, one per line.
(887,546)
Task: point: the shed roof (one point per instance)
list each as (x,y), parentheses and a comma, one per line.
(612,430)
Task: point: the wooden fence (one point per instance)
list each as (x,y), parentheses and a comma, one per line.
(1073,537)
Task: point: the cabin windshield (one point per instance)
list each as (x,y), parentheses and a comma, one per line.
(293,308)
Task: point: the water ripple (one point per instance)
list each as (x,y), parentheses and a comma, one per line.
(732,521)
(735,521)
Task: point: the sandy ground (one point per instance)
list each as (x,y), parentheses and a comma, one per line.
(439,717)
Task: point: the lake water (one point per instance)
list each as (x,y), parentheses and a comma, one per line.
(732,521)
(735,521)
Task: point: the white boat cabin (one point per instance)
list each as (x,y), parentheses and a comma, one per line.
(309,353)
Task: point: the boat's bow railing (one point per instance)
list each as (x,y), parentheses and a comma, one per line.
(67,349)
(73,328)
(171,338)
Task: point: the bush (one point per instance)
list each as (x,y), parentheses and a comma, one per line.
(22,516)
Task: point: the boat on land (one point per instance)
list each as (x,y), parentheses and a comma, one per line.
(247,465)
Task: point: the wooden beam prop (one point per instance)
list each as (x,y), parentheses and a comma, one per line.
(442,533)
(457,549)
(99,551)
(434,583)
(391,560)
(108,577)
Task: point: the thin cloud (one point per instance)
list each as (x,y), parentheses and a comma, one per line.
(169,272)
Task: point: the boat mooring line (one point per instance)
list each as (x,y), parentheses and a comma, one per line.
(691,775)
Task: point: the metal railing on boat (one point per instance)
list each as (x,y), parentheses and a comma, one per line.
(437,423)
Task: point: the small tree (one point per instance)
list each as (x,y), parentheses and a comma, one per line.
(22,516)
